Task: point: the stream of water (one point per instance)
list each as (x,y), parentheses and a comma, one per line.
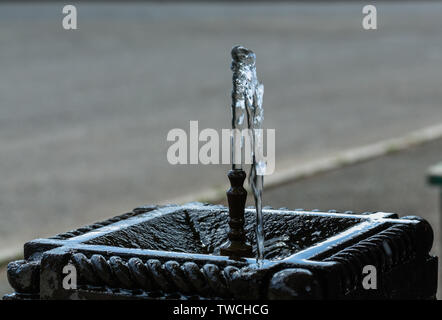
(247,97)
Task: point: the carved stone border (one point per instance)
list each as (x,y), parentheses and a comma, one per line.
(397,245)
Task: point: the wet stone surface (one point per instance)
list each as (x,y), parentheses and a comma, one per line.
(205,231)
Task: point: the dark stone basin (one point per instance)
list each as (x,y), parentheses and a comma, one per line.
(203,231)
(172,252)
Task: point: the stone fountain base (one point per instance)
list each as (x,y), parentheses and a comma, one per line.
(172,252)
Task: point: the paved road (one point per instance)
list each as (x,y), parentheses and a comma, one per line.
(84,114)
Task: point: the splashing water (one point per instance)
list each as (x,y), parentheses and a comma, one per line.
(247,97)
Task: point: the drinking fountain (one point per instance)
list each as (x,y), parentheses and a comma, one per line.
(205,251)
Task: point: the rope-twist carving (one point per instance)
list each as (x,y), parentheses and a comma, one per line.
(384,250)
(153,275)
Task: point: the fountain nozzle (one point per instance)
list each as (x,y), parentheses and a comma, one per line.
(236,197)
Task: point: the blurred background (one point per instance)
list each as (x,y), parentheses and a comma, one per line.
(84,114)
